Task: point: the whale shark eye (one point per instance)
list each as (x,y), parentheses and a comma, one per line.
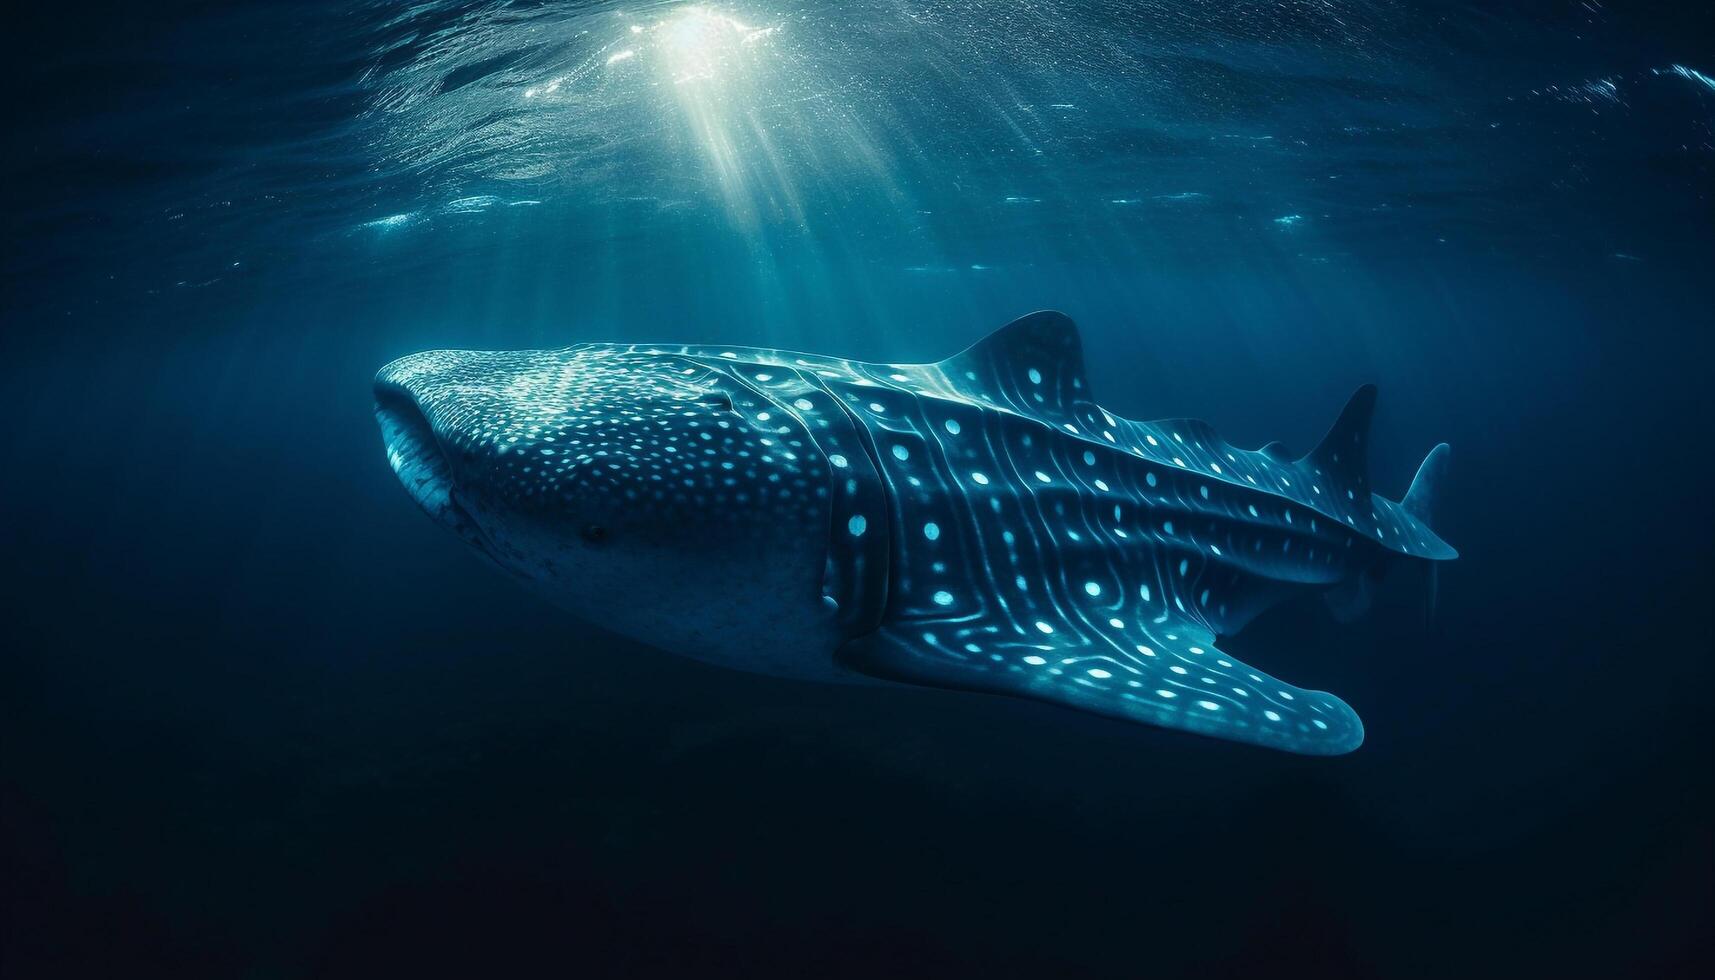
(593,533)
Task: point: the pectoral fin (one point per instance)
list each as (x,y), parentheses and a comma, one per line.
(1168,674)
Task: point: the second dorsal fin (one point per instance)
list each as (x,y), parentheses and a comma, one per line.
(1342,458)
(1035,364)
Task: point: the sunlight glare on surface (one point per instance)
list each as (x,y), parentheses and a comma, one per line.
(699,45)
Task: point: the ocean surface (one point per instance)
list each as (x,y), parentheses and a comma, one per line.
(260,718)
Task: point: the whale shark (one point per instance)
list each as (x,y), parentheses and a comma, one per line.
(978,523)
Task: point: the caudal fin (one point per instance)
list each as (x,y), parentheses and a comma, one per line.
(1421,502)
(1351,598)
(1425,493)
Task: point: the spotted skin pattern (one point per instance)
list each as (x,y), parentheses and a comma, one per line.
(978,523)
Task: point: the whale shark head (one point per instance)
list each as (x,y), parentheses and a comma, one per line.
(641,490)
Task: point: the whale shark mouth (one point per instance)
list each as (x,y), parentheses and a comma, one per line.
(420,463)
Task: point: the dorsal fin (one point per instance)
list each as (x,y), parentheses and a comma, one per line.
(1342,457)
(1035,364)
(1277,451)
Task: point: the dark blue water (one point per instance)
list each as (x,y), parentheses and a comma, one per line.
(258,717)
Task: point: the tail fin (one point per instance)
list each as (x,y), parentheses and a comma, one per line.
(1351,598)
(1420,502)
(1425,490)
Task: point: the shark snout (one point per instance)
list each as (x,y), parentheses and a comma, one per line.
(415,450)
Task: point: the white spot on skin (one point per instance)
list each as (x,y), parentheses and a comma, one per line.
(901,453)
(1099,674)
(943,598)
(1044,627)
(838,460)
(1271,716)
(932,530)
(1093,588)
(1035,376)
(857,525)
(1034,661)
(980,479)
(952,426)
